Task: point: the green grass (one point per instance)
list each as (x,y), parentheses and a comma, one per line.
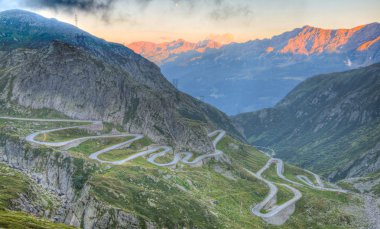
(376,190)
(64,135)
(195,197)
(117,154)
(90,146)
(190,197)
(204,198)
(283,194)
(291,172)
(347,185)
(214,137)
(20,220)
(120,154)
(24,128)
(318,209)
(168,157)
(141,143)
(242,155)
(13,184)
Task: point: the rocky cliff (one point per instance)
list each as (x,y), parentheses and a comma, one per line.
(49,64)
(66,178)
(329,123)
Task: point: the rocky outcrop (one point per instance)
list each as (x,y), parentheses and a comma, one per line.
(368,163)
(66,177)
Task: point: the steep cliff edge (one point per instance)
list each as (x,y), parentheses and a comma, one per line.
(66,178)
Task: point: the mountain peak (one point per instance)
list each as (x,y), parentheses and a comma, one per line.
(23,16)
(17,12)
(166,51)
(308,27)
(313,40)
(23,21)
(180,40)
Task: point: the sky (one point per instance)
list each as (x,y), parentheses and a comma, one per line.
(126,21)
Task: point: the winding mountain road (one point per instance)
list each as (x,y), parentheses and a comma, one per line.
(279,214)
(93,124)
(274,214)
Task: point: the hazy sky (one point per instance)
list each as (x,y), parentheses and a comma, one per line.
(125,21)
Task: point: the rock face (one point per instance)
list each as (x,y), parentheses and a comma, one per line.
(329,123)
(264,71)
(49,64)
(368,163)
(56,172)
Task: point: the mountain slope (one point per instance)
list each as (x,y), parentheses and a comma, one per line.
(264,71)
(137,194)
(168,51)
(49,64)
(329,123)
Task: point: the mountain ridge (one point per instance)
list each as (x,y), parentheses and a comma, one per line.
(161,53)
(321,38)
(263,73)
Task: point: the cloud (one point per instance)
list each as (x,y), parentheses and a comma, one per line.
(165,38)
(84,5)
(224,11)
(142,4)
(110,10)
(103,8)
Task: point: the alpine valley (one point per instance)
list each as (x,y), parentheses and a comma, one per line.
(92,135)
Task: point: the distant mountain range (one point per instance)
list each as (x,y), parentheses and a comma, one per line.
(241,77)
(328,123)
(168,51)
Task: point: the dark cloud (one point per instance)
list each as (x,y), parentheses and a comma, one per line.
(227,11)
(103,8)
(85,5)
(107,11)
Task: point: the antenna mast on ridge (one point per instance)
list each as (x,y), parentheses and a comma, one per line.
(76,19)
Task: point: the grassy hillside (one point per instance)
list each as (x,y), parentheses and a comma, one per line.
(217,195)
(329,124)
(14,184)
